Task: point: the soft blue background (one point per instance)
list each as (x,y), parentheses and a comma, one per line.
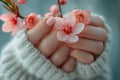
(108,8)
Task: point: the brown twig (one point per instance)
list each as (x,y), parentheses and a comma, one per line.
(12,7)
(59,5)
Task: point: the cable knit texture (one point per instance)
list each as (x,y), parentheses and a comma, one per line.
(20,60)
(96,68)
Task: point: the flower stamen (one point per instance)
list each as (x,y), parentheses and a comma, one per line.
(14,21)
(31,20)
(67,29)
(80,17)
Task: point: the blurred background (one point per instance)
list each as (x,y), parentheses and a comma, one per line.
(107,8)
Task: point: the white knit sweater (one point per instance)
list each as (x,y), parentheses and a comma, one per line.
(20,60)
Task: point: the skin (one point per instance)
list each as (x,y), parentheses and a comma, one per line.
(65,55)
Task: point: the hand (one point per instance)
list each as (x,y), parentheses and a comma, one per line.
(45,40)
(91,42)
(48,46)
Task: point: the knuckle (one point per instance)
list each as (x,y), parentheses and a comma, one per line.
(56,59)
(101,21)
(68,69)
(70,65)
(45,48)
(89,59)
(85,57)
(104,34)
(99,47)
(29,37)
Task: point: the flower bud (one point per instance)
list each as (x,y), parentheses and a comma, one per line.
(54,9)
(21,1)
(62,2)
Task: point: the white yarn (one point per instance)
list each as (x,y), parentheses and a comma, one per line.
(20,60)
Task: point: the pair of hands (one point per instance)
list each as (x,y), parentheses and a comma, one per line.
(86,50)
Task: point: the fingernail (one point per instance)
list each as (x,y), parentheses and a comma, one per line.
(50,21)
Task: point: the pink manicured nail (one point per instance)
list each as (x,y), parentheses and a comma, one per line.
(50,21)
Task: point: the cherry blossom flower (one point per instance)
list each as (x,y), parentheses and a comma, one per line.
(82,16)
(62,2)
(67,29)
(54,9)
(12,23)
(21,1)
(31,20)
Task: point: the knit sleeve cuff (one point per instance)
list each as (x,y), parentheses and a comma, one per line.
(87,71)
(36,63)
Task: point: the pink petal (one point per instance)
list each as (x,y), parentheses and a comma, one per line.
(31,20)
(78,28)
(70,18)
(87,16)
(38,18)
(54,9)
(6,27)
(15,30)
(62,2)
(59,23)
(61,36)
(20,23)
(21,1)
(17,27)
(87,13)
(6,17)
(72,38)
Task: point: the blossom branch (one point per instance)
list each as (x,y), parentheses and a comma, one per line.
(59,5)
(11,6)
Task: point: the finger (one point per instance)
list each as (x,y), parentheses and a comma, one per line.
(40,30)
(69,65)
(60,56)
(95,33)
(96,21)
(82,56)
(49,44)
(94,47)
